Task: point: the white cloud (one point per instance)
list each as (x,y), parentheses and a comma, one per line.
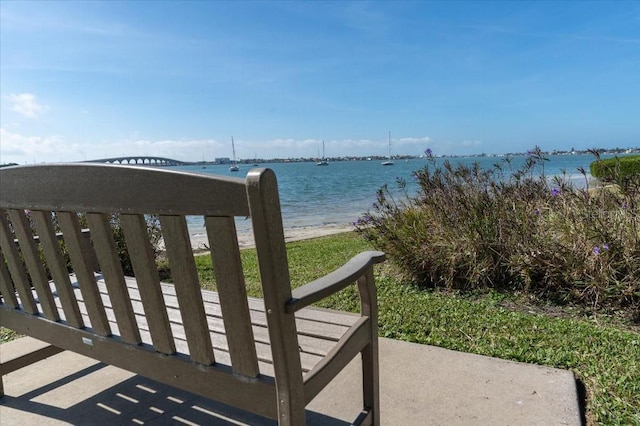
(26,104)
(18,148)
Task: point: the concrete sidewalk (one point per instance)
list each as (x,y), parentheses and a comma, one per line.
(420,385)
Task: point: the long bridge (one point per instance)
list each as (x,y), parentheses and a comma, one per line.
(141,161)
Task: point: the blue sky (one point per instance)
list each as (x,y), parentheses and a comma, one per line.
(86,80)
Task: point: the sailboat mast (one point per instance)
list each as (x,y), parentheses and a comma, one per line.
(233,149)
(389,162)
(234,167)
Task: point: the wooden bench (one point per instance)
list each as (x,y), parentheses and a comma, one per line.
(269,356)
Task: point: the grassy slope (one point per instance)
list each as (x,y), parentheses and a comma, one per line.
(603,356)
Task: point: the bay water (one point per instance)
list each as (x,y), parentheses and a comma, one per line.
(336,195)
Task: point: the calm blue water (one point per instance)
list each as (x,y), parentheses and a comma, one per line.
(338,194)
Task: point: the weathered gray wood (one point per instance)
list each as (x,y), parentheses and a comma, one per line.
(82,261)
(187,285)
(121,189)
(144,267)
(370,362)
(264,204)
(16,268)
(217,335)
(316,314)
(272,356)
(256,396)
(334,281)
(342,353)
(38,352)
(34,264)
(57,266)
(27,359)
(111,268)
(225,255)
(7,291)
(311,345)
(313,342)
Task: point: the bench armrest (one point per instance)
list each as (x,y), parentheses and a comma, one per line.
(333,282)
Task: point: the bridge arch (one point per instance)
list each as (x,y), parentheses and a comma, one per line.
(141,161)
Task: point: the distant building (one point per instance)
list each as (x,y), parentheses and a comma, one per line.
(223,160)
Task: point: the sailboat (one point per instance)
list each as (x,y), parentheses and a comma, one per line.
(322,162)
(234,167)
(388,162)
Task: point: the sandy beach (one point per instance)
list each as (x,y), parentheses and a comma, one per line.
(199,241)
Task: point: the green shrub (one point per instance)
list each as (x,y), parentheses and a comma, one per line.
(155,237)
(615,169)
(469,228)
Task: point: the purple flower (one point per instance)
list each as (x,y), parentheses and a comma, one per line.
(596,250)
(428,152)
(555,192)
(605,247)
(415,177)
(536,212)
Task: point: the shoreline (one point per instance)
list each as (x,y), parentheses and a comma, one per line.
(200,243)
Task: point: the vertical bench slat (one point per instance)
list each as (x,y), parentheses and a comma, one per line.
(57,267)
(227,267)
(111,269)
(264,202)
(187,285)
(144,267)
(32,259)
(370,362)
(16,268)
(6,287)
(82,260)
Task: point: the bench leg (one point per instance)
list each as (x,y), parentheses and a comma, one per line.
(371,382)
(370,368)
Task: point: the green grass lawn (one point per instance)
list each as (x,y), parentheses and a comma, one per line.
(603,355)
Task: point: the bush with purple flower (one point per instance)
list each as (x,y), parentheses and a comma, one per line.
(469,228)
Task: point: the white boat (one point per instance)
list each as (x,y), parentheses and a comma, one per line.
(322,162)
(388,162)
(234,167)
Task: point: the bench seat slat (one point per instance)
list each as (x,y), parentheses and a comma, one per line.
(219,342)
(312,345)
(312,348)
(312,328)
(315,314)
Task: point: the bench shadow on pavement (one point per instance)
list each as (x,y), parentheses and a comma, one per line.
(139,400)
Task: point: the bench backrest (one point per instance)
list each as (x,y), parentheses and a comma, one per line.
(46,199)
